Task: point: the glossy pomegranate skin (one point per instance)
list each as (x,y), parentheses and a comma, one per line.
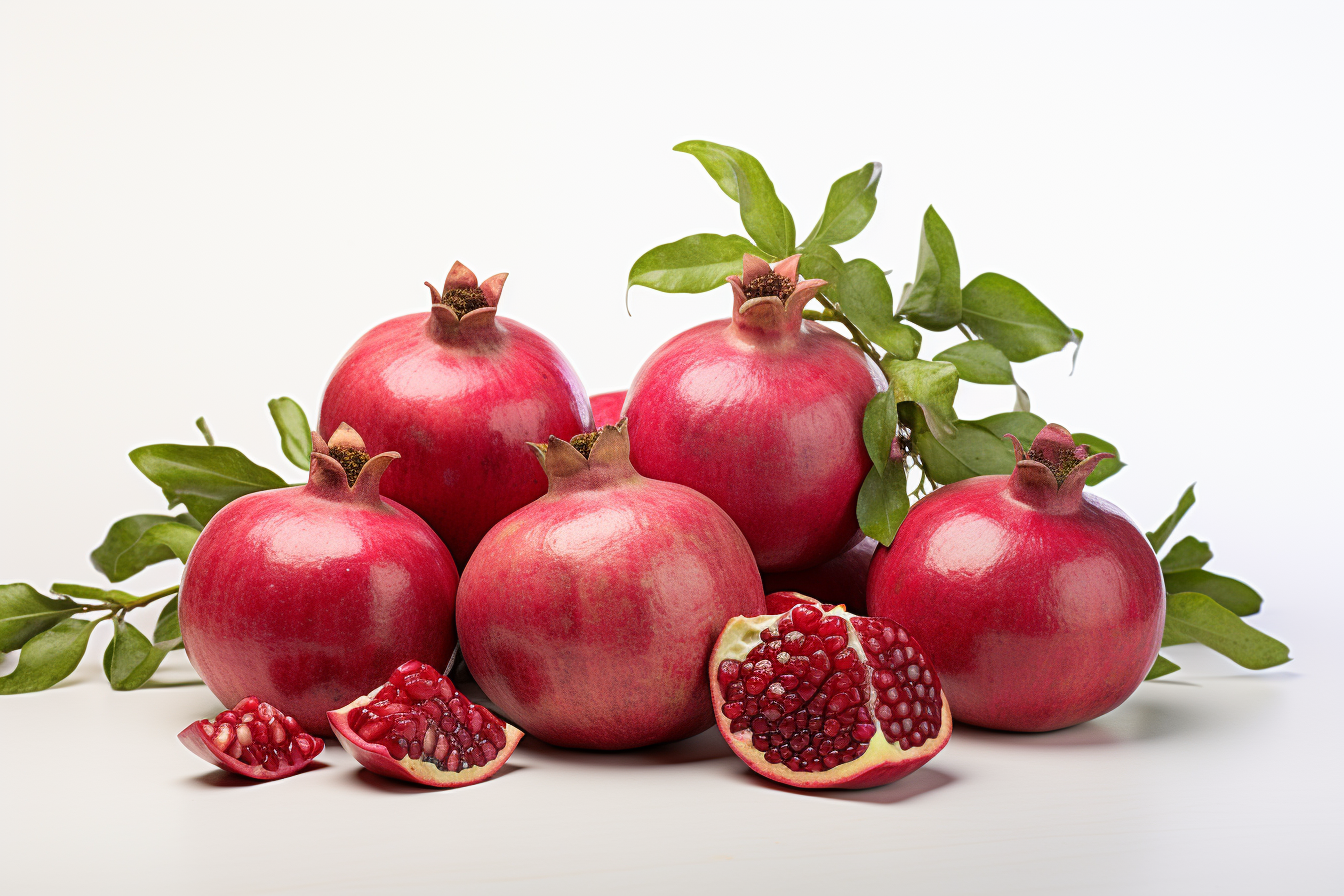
(763,414)
(458,400)
(588,616)
(607,408)
(1037,617)
(303,596)
(840,580)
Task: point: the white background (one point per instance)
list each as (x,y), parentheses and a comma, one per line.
(200,209)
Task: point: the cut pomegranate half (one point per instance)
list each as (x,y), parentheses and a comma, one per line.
(813,696)
(419,727)
(253,739)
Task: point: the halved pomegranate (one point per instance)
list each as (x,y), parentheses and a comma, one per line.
(813,696)
(253,739)
(419,727)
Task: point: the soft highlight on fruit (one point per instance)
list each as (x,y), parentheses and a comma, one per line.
(813,696)
(253,739)
(763,415)
(419,727)
(588,615)
(1041,605)
(458,392)
(303,596)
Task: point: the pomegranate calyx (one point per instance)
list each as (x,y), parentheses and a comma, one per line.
(463,303)
(770,299)
(1052,473)
(342,468)
(588,460)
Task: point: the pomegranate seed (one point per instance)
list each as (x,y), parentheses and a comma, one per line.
(244,736)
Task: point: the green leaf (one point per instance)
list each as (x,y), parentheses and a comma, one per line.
(49,657)
(205,430)
(978,361)
(934,300)
(1108,467)
(864,296)
(1187,554)
(130,659)
(125,551)
(296,439)
(25,613)
(1159,536)
(879,428)
(696,263)
(849,207)
(970,451)
(166,628)
(821,262)
(88,592)
(741,176)
(883,503)
(177,537)
(1026,426)
(1238,597)
(1004,312)
(1161,666)
(1201,618)
(204,478)
(930,384)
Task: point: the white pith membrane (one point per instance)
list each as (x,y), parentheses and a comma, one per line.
(420,721)
(252,738)
(898,722)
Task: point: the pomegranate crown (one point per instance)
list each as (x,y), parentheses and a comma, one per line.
(760,285)
(1055,469)
(463,302)
(342,467)
(605,452)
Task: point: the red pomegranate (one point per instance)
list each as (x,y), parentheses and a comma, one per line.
(1041,606)
(588,615)
(762,414)
(842,580)
(303,596)
(812,696)
(253,739)
(458,391)
(607,408)
(419,727)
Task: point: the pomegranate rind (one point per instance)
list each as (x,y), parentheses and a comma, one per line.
(375,757)
(194,738)
(882,763)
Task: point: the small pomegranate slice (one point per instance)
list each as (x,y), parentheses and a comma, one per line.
(419,727)
(253,739)
(813,696)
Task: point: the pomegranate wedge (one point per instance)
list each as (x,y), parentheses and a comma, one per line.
(253,739)
(813,696)
(420,728)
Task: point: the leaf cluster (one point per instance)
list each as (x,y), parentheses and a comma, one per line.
(1206,607)
(52,632)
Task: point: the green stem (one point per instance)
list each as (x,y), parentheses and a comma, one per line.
(150,598)
(859,339)
(965,332)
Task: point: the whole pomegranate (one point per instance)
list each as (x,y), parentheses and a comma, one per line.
(1041,606)
(812,696)
(588,615)
(458,391)
(763,414)
(607,408)
(840,580)
(303,596)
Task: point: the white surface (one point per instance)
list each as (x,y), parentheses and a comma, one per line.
(201,208)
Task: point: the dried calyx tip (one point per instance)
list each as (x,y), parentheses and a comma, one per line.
(1060,465)
(770,284)
(584,442)
(352,460)
(464,299)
